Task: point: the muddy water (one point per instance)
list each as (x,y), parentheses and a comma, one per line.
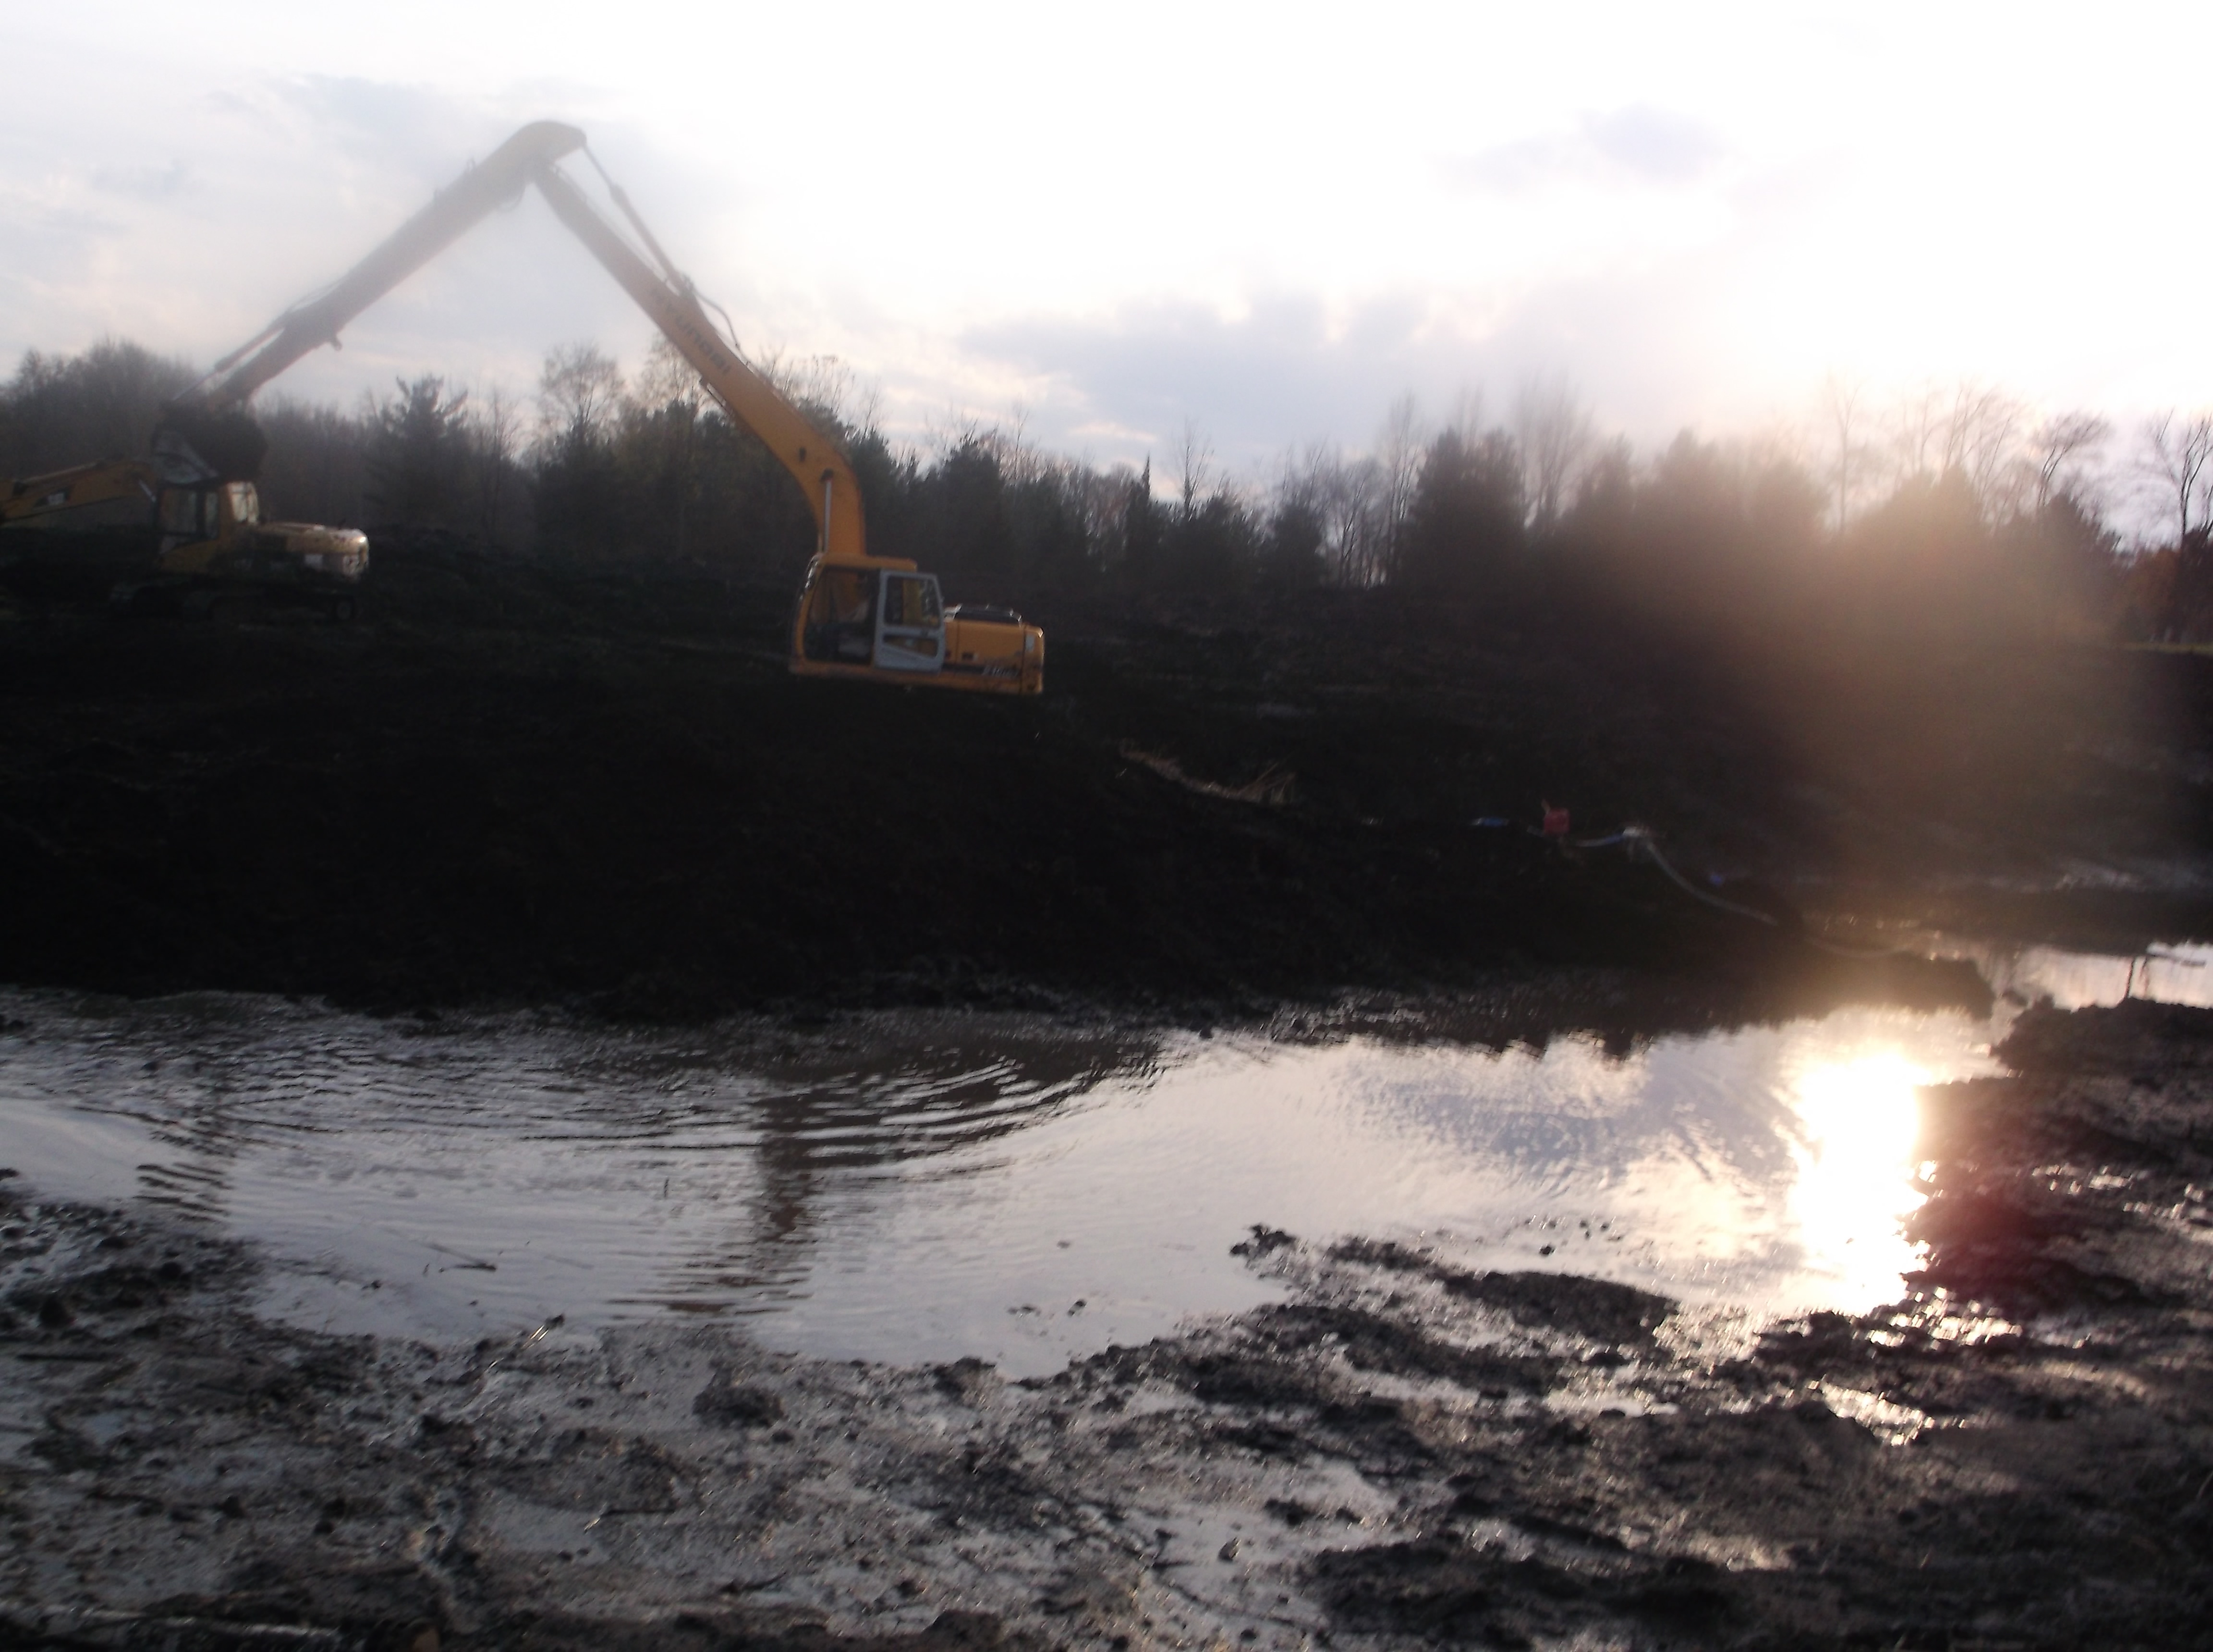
(918,1187)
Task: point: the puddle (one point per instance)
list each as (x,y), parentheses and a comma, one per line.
(914,1187)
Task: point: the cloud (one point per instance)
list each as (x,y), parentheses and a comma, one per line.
(388,128)
(1290,369)
(142,183)
(1638,146)
(1280,374)
(1653,145)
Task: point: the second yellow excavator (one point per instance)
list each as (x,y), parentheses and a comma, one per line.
(857,615)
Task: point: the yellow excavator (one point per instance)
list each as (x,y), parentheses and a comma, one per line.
(857,615)
(177,529)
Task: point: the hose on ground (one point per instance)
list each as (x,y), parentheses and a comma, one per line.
(1639,841)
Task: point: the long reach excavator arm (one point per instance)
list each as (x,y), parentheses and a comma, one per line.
(313,322)
(858,615)
(667,297)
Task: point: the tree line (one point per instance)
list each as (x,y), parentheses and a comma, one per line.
(1954,509)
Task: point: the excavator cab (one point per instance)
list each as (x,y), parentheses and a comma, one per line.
(878,615)
(881,615)
(203,515)
(213,529)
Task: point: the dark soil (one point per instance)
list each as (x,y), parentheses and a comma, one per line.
(2019,1453)
(508,785)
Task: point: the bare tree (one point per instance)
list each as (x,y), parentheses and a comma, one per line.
(1980,439)
(1347,497)
(822,385)
(2176,452)
(673,397)
(1398,461)
(1843,413)
(1363,516)
(495,438)
(1194,467)
(2066,446)
(1466,418)
(955,428)
(667,379)
(1556,436)
(1969,430)
(579,392)
(1915,423)
(1100,500)
(1021,460)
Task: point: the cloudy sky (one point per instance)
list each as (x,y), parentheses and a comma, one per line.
(1269,220)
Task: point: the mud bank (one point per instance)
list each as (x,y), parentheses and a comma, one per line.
(2018,1453)
(507,787)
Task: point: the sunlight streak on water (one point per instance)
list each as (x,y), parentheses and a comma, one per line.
(1857,1122)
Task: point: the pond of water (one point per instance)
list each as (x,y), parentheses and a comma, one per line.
(914,1186)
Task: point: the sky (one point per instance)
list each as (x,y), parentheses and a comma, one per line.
(1266,222)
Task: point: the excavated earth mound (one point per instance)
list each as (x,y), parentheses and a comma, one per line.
(509,784)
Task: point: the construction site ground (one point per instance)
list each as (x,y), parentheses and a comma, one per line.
(508,786)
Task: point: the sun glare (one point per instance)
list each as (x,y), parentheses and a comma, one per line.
(1856,1125)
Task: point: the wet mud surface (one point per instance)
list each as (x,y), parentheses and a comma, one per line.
(2018,1453)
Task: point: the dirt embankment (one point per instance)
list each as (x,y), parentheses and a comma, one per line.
(2018,1454)
(509,786)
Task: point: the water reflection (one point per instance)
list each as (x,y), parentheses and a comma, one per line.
(817,1141)
(1765,1166)
(1857,1123)
(923,1186)
(489,1168)
(2178,974)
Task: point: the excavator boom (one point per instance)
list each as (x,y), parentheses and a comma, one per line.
(314,322)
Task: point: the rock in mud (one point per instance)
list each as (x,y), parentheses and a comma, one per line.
(731,1403)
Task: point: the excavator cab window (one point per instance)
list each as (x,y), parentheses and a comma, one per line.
(910,600)
(245,504)
(190,513)
(912,635)
(841,616)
